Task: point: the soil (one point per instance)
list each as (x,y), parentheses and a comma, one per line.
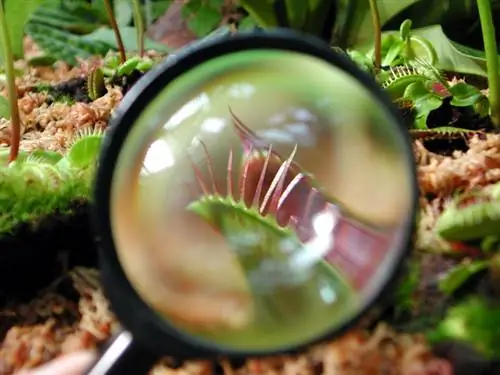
(58,306)
(43,255)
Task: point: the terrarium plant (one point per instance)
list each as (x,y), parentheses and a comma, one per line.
(451,292)
(37,187)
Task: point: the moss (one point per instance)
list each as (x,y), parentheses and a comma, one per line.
(23,199)
(42,183)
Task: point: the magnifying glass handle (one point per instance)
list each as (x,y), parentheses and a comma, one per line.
(122,355)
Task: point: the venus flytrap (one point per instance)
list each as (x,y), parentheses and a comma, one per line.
(423,86)
(473,217)
(113,70)
(474,320)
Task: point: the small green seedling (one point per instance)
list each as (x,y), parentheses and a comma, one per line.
(114,68)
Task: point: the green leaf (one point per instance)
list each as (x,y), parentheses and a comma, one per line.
(417,91)
(128,66)
(84,152)
(49,157)
(392,50)
(475,321)
(155,9)
(297,11)
(4,107)
(458,17)
(42,60)
(361,60)
(107,36)
(63,19)
(123,12)
(204,21)
(190,8)
(450,58)
(63,45)
(424,102)
(356,29)
(98,9)
(319,12)
(262,12)
(405,30)
(459,274)
(218,4)
(17,16)
(247,23)
(465,95)
(405,291)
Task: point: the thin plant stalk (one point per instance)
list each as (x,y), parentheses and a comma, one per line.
(491,52)
(377,28)
(139,26)
(15,121)
(116,30)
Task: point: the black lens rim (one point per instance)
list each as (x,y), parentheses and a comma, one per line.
(135,315)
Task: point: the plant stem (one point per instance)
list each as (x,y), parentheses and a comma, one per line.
(377,28)
(139,26)
(114,26)
(15,121)
(490,49)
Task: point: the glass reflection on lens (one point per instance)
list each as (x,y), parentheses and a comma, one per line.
(268,204)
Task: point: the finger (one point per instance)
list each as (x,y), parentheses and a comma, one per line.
(71,364)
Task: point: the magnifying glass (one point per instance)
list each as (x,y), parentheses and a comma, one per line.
(254,195)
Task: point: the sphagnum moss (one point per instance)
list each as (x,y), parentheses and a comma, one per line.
(43,183)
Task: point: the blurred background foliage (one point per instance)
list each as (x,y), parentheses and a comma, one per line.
(67,29)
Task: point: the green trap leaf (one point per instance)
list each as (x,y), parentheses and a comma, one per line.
(84,151)
(459,274)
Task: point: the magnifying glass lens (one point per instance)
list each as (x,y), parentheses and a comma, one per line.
(261,199)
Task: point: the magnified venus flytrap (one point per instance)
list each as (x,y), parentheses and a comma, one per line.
(284,236)
(277,213)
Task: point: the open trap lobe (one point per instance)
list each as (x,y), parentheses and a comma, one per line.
(278,192)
